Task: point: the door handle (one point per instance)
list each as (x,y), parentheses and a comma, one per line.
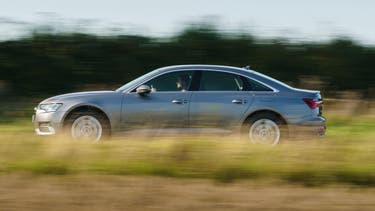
(239,101)
(180,101)
(177,101)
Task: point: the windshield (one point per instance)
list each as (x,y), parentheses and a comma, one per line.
(136,81)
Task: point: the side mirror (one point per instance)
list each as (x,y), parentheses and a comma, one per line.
(143,90)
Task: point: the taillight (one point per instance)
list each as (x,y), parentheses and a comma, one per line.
(313,103)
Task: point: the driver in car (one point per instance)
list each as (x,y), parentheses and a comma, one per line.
(183,82)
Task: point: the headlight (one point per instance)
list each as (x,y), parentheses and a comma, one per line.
(50,107)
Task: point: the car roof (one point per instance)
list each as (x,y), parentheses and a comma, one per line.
(200,67)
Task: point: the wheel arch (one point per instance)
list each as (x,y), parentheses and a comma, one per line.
(86,108)
(265,111)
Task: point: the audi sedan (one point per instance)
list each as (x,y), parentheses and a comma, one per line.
(187,99)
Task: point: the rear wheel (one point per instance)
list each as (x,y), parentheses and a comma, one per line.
(87,125)
(265,128)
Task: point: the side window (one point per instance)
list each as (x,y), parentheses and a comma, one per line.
(256,86)
(170,82)
(220,81)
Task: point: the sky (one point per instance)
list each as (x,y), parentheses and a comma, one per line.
(315,20)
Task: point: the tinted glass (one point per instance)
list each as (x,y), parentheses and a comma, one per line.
(220,81)
(256,86)
(169,82)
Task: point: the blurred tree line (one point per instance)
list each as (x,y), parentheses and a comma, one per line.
(48,64)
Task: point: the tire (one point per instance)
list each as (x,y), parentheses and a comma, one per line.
(87,125)
(265,128)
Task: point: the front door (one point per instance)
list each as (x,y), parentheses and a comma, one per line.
(165,107)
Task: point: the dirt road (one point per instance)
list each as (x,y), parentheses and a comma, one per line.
(154,193)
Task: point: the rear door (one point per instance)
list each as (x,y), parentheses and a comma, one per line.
(220,101)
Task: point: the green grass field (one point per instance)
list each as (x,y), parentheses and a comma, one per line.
(345,155)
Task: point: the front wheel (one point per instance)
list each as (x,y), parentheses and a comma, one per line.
(265,128)
(91,126)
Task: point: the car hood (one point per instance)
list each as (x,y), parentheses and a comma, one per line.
(60,98)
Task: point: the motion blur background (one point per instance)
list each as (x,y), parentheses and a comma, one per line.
(50,47)
(54,47)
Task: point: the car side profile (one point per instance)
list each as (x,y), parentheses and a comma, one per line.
(191,99)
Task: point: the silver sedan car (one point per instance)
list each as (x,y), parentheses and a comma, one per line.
(188,99)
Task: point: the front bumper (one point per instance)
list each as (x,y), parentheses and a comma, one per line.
(47,123)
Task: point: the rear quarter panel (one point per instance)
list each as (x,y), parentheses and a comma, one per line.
(289,105)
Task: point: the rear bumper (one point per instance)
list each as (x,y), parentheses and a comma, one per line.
(315,127)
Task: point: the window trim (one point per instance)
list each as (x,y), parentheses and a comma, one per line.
(189,89)
(274,90)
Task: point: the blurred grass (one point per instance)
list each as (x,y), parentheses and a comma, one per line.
(346,155)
